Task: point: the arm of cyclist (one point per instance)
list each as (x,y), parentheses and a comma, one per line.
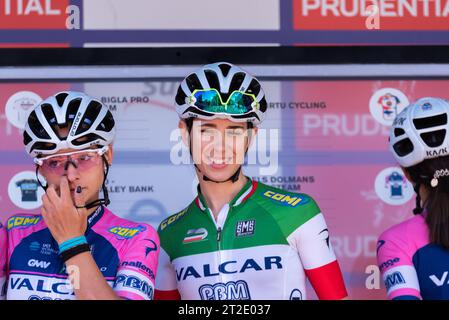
(66,222)
(166,285)
(312,241)
(396,266)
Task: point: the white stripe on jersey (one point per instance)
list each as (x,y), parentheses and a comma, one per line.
(401,277)
(312,242)
(134,282)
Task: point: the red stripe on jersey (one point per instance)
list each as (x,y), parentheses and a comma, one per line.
(327,281)
(254,187)
(167,295)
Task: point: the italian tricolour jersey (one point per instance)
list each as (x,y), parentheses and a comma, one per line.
(263,245)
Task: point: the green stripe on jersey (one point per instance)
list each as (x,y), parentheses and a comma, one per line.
(267,217)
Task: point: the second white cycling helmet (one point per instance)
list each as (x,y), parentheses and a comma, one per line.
(88,121)
(420,132)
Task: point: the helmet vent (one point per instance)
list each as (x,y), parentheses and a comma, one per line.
(72,110)
(180,96)
(224,68)
(193,82)
(108,123)
(254,87)
(430,122)
(212,80)
(434,138)
(91,113)
(60,98)
(398,132)
(36,126)
(403,147)
(237,81)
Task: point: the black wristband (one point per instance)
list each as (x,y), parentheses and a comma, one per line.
(70,253)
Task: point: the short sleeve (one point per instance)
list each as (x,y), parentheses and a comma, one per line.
(396,266)
(136,275)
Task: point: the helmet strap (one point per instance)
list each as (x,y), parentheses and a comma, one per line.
(105,200)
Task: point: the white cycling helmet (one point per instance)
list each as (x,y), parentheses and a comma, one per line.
(225,78)
(89,122)
(420,132)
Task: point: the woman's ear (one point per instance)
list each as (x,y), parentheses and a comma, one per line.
(252,135)
(109,154)
(185,135)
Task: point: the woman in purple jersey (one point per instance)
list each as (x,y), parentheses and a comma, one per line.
(70,137)
(413,256)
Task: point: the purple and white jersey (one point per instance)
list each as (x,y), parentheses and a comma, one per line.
(411,266)
(126,254)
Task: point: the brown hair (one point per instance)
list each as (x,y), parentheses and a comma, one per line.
(437,201)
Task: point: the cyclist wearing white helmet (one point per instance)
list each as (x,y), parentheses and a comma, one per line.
(76,248)
(413,256)
(238,239)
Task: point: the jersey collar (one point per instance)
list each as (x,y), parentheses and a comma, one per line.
(93,218)
(245,193)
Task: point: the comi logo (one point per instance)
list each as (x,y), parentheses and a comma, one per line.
(225,291)
(173,218)
(24,222)
(285,199)
(126,233)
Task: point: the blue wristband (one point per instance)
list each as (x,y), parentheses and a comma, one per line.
(71,243)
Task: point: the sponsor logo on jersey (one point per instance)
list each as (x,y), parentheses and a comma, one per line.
(388,263)
(228,267)
(426,106)
(38,264)
(138,265)
(440,281)
(35,246)
(35,297)
(152,246)
(296,294)
(126,233)
(195,235)
(22,221)
(173,218)
(285,199)
(325,235)
(380,243)
(231,290)
(40,285)
(245,228)
(394,279)
(125,281)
